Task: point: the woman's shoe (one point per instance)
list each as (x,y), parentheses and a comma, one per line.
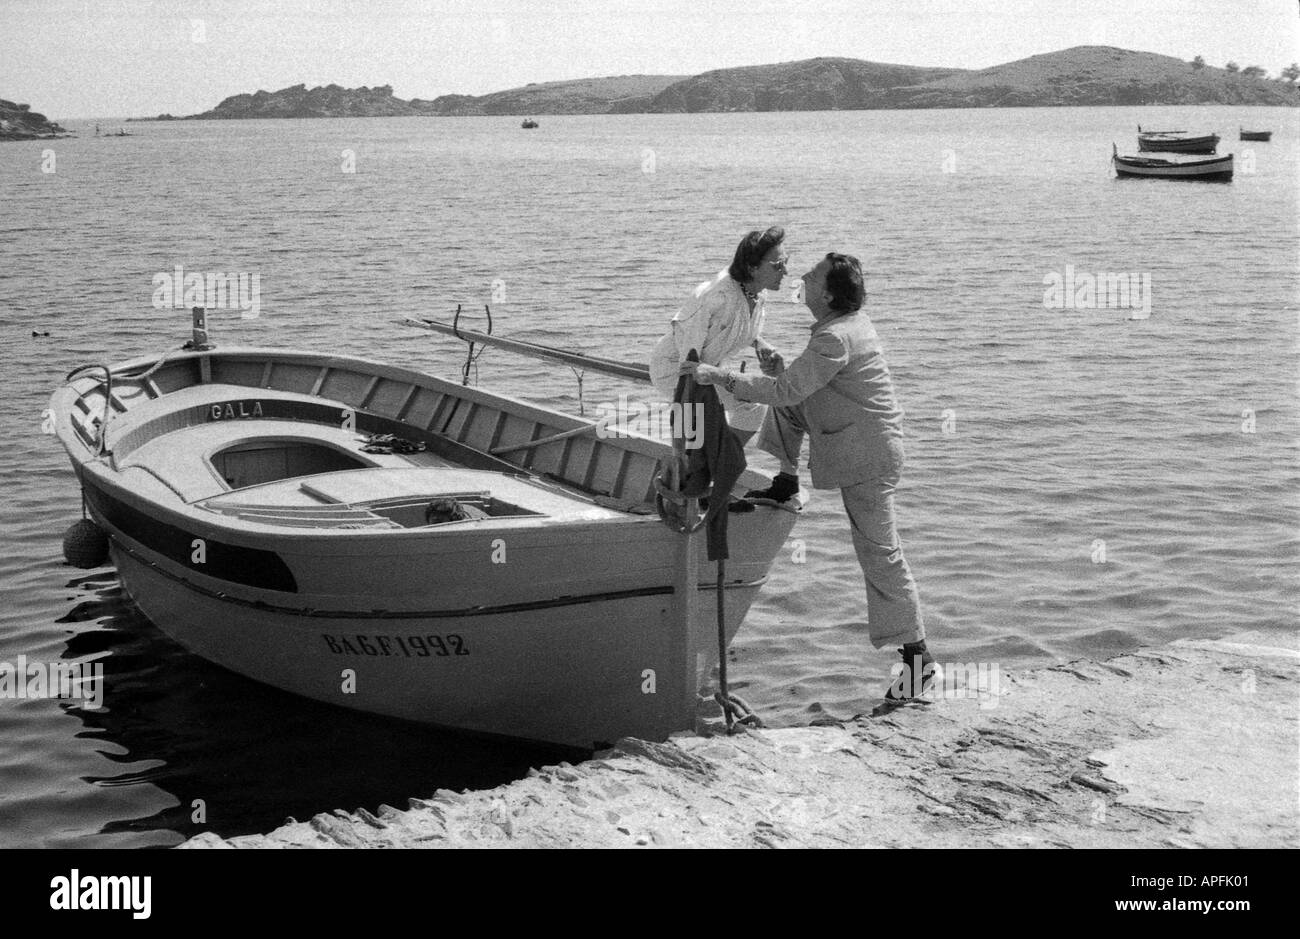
(784,487)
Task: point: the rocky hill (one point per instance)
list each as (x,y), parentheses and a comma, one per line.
(622,94)
(1093,75)
(619,94)
(810,85)
(299,101)
(20,122)
(1083,75)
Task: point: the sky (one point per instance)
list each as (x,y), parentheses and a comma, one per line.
(74,59)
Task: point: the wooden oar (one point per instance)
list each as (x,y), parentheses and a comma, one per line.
(595,363)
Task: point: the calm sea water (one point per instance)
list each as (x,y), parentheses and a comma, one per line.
(1034,435)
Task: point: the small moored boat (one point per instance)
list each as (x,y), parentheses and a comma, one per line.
(1264,135)
(528,124)
(1175,141)
(1216,169)
(393,542)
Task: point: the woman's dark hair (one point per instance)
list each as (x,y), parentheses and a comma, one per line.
(751,251)
(844,283)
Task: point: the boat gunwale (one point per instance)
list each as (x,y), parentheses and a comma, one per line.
(646,445)
(1176,135)
(204,522)
(626,439)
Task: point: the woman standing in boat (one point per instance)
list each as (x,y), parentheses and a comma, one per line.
(722,318)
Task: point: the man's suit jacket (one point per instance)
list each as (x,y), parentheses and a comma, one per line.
(847,398)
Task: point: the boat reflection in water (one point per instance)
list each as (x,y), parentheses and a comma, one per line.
(203,749)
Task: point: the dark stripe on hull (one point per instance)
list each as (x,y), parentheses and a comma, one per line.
(1167,149)
(429,614)
(251,567)
(1224,177)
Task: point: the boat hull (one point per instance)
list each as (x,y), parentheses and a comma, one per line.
(1156,143)
(1218,170)
(582,676)
(1261,135)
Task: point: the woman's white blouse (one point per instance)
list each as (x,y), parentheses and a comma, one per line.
(715,321)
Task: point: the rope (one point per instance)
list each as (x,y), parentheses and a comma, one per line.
(102,437)
(107,381)
(673,512)
(141,376)
(734,709)
(471,357)
(130,376)
(579,374)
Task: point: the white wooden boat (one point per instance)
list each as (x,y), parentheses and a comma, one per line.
(500,581)
(1215,169)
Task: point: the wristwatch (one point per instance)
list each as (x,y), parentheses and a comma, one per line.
(729,382)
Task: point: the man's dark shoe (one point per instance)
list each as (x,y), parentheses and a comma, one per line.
(784,486)
(918,676)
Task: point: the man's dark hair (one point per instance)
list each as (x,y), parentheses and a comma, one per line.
(844,283)
(751,251)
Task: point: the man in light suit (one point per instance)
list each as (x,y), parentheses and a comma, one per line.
(839,393)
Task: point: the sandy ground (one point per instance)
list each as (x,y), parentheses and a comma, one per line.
(1194,744)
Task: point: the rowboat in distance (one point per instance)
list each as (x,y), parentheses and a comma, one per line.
(1264,135)
(1216,169)
(389,541)
(1175,141)
(528,123)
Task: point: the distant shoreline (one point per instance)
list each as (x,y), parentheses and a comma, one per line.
(1082,76)
(516,117)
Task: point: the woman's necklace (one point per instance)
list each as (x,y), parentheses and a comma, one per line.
(751,295)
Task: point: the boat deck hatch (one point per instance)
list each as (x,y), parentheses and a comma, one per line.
(264,461)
